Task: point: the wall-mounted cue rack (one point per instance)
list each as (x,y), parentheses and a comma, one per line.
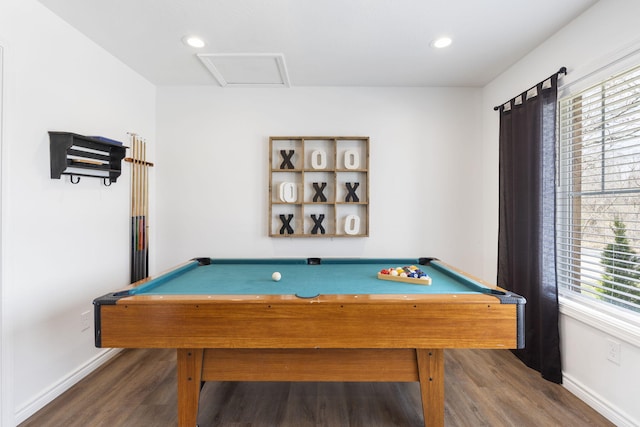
(318,186)
(139,208)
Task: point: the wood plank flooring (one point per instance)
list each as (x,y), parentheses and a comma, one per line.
(482,388)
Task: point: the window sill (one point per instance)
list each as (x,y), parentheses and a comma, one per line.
(617,323)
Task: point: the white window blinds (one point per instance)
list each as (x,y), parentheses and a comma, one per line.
(598,194)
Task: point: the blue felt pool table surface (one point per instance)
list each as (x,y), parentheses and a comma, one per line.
(330,277)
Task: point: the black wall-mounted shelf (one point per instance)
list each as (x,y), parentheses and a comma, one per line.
(77,156)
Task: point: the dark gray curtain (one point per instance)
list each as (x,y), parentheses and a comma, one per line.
(526,238)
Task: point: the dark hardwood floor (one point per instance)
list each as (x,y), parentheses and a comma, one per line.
(482,388)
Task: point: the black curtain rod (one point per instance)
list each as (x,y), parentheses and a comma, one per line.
(562,70)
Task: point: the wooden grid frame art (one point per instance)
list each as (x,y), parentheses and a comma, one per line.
(318,186)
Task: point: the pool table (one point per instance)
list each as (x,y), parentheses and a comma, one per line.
(325,320)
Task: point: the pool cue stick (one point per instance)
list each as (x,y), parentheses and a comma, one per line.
(146,212)
(143,209)
(134,229)
(141,224)
(140,219)
(138,210)
(132,208)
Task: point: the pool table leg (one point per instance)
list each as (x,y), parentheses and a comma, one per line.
(189,377)
(431,375)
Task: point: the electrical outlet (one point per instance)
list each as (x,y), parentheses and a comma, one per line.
(85,320)
(613,351)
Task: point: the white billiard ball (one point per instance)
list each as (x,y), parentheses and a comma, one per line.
(276,276)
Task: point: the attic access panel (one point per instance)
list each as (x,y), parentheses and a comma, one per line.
(247,70)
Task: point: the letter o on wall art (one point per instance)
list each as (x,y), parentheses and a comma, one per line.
(288,192)
(319,159)
(351,159)
(352,224)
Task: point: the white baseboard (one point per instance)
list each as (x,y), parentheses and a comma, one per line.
(605,408)
(47,396)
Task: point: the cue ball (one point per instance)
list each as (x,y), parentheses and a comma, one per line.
(276,276)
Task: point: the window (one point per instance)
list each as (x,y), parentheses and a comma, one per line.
(598,194)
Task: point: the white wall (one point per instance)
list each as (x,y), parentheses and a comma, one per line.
(63,244)
(607,31)
(212,170)
(4,331)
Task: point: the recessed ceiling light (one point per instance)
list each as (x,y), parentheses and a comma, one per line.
(193,41)
(441,42)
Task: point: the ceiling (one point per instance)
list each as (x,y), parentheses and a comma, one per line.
(327,42)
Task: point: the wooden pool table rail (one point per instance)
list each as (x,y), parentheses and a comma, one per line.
(425,323)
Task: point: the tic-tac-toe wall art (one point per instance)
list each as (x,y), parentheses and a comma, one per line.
(318,186)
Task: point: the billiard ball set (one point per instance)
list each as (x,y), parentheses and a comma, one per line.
(406,274)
